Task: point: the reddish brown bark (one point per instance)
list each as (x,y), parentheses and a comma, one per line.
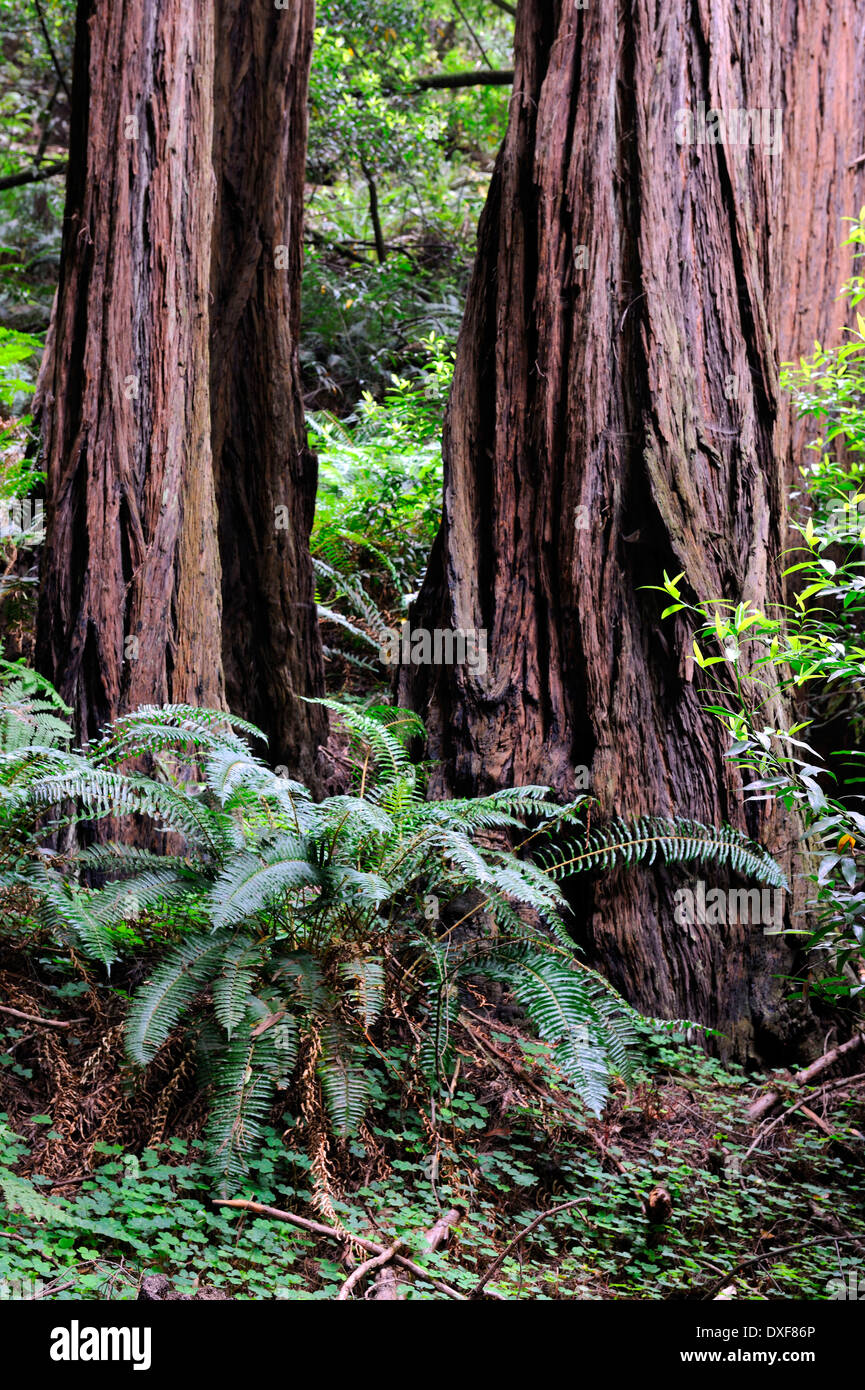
(824,177)
(130,577)
(616,413)
(170,391)
(266,475)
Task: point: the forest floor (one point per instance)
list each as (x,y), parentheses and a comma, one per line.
(674,1194)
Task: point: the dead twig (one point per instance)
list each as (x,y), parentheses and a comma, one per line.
(362,1270)
(766,1129)
(497,1263)
(43,1022)
(759,1107)
(318,1228)
(773,1254)
(387,1288)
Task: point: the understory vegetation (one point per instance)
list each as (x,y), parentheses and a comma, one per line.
(513,1155)
(368,1009)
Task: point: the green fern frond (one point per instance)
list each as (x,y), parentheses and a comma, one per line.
(343,884)
(245,1082)
(366,978)
(304,982)
(386,749)
(344,1080)
(675,841)
(158,1005)
(330,615)
(359,601)
(233,985)
(68,913)
(567,1008)
(436,1053)
(229,770)
(154,729)
(255,883)
(353,819)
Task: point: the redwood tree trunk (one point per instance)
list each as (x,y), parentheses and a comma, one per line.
(615,413)
(130,596)
(169,396)
(266,476)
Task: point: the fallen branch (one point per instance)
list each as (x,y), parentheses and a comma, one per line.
(497,1263)
(766,1129)
(44,1022)
(387,1288)
(374,1263)
(438,1234)
(759,1107)
(318,1228)
(45,171)
(772,1254)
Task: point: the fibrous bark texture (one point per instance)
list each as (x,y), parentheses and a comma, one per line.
(130,577)
(616,413)
(180,488)
(265,474)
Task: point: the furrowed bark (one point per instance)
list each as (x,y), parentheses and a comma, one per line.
(130,574)
(170,393)
(615,413)
(266,475)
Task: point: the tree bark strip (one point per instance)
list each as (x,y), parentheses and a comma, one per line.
(180,487)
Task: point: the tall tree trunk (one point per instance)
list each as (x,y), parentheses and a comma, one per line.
(130,597)
(169,394)
(824,174)
(265,474)
(615,413)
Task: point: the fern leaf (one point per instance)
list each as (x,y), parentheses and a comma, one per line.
(251,884)
(158,1004)
(344,1080)
(367,978)
(233,985)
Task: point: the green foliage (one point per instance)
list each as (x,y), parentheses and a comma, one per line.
(16,349)
(675,841)
(368,115)
(33,132)
(813,648)
(683,1129)
(315,922)
(426,154)
(378,507)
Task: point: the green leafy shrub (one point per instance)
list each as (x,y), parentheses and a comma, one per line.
(324,921)
(378,507)
(814,649)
